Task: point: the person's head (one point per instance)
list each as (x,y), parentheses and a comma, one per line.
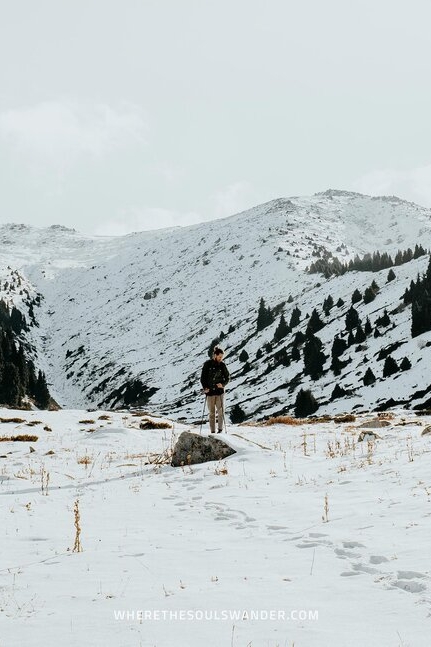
(218,354)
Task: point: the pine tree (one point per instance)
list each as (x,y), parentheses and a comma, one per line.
(12,387)
(314,358)
(385,320)
(264,316)
(338,392)
(356,296)
(338,346)
(368,328)
(360,335)
(315,323)
(390,367)
(369,377)
(420,294)
(369,295)
(305,404)
(282,329)
(295,317)
(336,366)
(328,303)
(419,251)
(405,364)
(281,358)
(352,318)
(391,276)
(243,356)
(42,393)
(237,414)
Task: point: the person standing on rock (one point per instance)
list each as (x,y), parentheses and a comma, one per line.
(214,378)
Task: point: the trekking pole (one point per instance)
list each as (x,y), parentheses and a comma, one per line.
(202,417)
(222,410)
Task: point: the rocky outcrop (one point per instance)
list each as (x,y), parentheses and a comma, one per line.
(376,423)
(191,449)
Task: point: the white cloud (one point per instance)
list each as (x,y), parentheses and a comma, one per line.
(232,199)
(53,131)
(411,184)
(145,219)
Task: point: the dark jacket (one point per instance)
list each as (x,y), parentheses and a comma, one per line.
(213,373)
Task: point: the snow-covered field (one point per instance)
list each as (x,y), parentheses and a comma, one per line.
(304,537)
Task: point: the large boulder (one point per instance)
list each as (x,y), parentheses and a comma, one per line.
(191,449)
(376,423)
(368,435)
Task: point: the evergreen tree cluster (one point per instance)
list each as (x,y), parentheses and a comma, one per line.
(305,404)
(368,263)
(265,316)
(419,295)
(17,374)
(314,357)
(390,367)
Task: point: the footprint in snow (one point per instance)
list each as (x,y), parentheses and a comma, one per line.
(410,575)
(409,586)
(378,559)
(344,554)
(363,568)
(352,544)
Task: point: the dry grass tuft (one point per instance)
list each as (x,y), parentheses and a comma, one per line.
(17,421)
(147,423)
(85,460)
(386,415)
(104,416)
(347,417)
(221,470)
(77,547)
(25,438)
(164,458)
(283,420)
(87,422)
(33,423)
(290,420)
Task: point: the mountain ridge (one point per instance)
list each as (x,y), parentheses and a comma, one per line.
(144,308)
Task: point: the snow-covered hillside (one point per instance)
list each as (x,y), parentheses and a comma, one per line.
(305,537)
(148,305)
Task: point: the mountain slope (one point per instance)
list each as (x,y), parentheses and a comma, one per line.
(130,319)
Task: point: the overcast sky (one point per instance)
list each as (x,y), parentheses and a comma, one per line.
(122,115)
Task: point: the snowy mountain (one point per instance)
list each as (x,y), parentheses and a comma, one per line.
(129,320)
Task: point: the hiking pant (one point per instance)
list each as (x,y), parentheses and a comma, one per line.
(215,402)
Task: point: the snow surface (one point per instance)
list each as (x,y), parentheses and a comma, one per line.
(247,535)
